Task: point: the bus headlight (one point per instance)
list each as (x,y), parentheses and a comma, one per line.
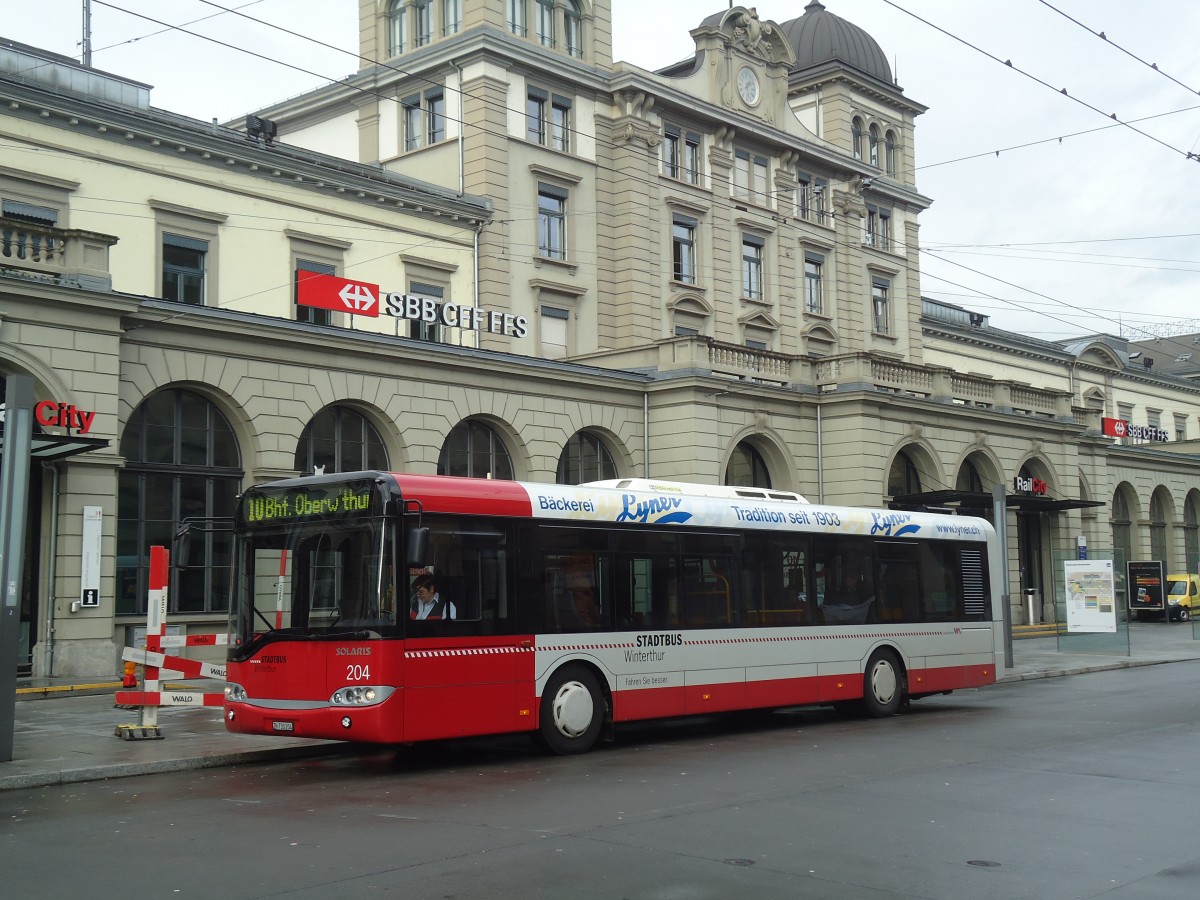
(235,693)
(361,695)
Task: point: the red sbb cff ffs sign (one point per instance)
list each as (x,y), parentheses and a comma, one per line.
(337,294)
(1114,427)
(360,298)
(1030,486)
(1119,428)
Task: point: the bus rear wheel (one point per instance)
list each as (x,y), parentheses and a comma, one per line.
(883,685)
(572,711)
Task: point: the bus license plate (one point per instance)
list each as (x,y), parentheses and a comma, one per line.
(283,726)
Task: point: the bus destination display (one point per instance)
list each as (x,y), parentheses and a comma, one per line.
(262,507)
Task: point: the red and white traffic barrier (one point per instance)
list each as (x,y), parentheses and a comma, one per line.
(156,663)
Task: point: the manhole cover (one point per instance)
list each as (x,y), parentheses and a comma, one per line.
(983,863)
(738,862)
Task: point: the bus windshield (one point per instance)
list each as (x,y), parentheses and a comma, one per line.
(312,565)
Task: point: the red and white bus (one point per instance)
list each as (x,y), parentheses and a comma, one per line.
(565,610)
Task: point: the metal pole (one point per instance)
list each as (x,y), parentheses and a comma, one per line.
(14,496)
(87,33)
(1000,515)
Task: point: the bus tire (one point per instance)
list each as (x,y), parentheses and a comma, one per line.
(883,685)
(572,712)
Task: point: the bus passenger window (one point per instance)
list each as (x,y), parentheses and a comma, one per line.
(571,591)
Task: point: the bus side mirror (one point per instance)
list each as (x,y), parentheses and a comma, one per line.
(418,546)
(183,546)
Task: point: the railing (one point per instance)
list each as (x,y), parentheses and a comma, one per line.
(66,254)
(35,245)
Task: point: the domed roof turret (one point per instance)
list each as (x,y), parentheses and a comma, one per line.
(819,36)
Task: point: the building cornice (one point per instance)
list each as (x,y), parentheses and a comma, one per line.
(225,149)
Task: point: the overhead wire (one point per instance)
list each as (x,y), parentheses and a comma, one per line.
(1187,154)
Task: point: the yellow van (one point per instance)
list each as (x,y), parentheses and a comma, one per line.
(1183,595)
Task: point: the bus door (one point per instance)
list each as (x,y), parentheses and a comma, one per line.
(463,673)
(650,674)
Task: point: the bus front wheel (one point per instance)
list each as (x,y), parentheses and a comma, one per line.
(572,711)
(883,685)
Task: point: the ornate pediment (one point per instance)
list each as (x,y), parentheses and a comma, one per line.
(741,29)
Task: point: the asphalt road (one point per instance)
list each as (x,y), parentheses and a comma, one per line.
(1078,787)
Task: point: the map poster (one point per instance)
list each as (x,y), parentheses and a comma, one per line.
(1091,595)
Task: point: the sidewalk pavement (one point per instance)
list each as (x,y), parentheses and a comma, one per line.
(72,737)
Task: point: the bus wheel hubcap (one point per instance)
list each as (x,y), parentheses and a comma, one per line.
(573,709)
(883,682)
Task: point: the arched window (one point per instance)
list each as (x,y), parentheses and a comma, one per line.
(856,137)
(889,152)
(397,26)
(1122,532)
(1191,532)
(338,439)
(1158,529)
(585,458)
(747,468)
(424,31)
(181,462)
(573,28)
(544,9)
(903,477)
(874,144)
(474,450)
(969,478)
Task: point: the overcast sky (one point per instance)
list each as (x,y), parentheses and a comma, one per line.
(1098,232)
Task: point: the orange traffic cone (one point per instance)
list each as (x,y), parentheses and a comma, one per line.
(130,679)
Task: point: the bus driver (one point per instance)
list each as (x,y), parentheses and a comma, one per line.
(427,602)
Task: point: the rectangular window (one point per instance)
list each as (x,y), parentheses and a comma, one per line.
(554,327)
(310,314)
(548,120)
(880,313)
(426,331)
(814,301)
(755,345)
(560,124)
(412,123)
(424,119)
(803,201)
(681,154)
(435,117)
(552,222)
(750,177)
(878,228)
(535,115)
(451,16)
(683,249)
(1180,427)
(516,17)
(752,266)
(183,269)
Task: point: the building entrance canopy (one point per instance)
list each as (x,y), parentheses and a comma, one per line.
(50,447)
(978,502)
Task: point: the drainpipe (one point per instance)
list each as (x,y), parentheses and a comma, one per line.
(820,459)
(645,434)
(462,172)
(53,568)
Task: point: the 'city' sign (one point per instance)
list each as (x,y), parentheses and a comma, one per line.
(61,415)
(361,298)
(1119,428)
